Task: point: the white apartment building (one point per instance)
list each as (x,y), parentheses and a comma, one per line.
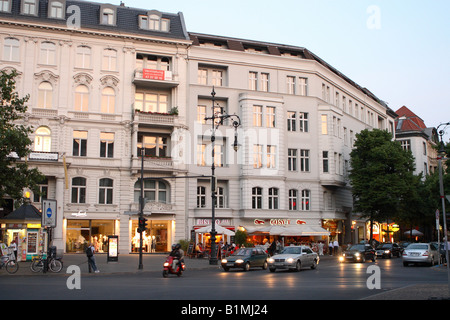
(110,83)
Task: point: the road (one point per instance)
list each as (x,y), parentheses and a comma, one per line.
(330,281)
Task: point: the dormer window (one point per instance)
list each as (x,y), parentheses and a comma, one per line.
(5,5)
(29,7)
(108,15)
(154,21)
(56,9)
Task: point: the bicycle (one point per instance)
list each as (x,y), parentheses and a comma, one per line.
(9,261)
(54,264)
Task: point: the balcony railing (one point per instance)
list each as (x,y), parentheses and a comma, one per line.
(154,78)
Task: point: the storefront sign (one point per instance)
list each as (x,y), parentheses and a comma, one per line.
(207,222)
(153,74)
(48,156)
(278,222)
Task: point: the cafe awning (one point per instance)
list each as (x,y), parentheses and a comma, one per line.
(219,230)
(298,230)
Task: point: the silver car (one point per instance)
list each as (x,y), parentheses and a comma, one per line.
(420,253)
(294,258)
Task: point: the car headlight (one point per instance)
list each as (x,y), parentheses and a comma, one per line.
(357,254)
(386,251)
(224,261)
(239,261)
(270,260)
(289,260)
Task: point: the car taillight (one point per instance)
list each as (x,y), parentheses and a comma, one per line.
(425,254)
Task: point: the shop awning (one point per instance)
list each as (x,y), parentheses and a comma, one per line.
(219,230)
(24,212)
(298,230)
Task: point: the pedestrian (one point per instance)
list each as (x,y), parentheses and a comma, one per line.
(320,248)
(91,259)
(14,247)
(336,246)
(330,248)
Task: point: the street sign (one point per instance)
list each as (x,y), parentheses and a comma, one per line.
(49,213)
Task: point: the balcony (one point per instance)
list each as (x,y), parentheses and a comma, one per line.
(152,78)
(156,119)
(153,164)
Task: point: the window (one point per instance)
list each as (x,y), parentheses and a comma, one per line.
(406,144)
(324,120)
(306,194)
(325,161)
(153,145)
(292,199)
(273,198)
(79,143)
(154,21)
(201,114)
(291,121)
(11,49)
(290,84)
(5,5)
(257,116)
(43,140)
(265,82)
(220,198)
(109,62)
(303,86)
(336,103)
(78,190)
(105,191)
(201,149)
(292,159)
(257,156)
(106,145)
(108,16)
(108,100)
(154,191)
(83,57)
(29,7)
(303,124)
(270,117)
(45,95)
(201,197)
(304,160)
(217,76)
(48,53)
(151,102)
(81,98)
(256,198)
(252,80)
(143,22)
(271,157)
(56,10)
(43,191)
(202,76)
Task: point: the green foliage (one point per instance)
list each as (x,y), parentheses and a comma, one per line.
(14,140)
(240,238)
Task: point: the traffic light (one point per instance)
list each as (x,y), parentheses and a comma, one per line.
(142,224)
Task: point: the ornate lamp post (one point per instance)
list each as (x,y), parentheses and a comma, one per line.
(217,119)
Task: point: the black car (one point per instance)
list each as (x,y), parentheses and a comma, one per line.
(389,250)
(359,253)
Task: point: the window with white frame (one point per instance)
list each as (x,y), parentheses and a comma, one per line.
(253,80)
(217,78)
(204,152)
(81,98)
(83,57)
(273,198)
(324,123)
(47,53)
(201,154)
(5,5)
(154,191)
(109,60)
(256,198)
(257,116)
(303,122)
(79,148)
(306,197)
(105,191)
(56,9)
(201,197)
(154,21)
(290,84)
(270,117)
(202,76)
(303,86)
(201,114)
(153,145)
(43,191)
(108,16)
(292,159)
(29,7)
(11,48)
(406,145)
(291,121)
(264,82)
(43,139)
(151,102)
(78,194)
(108,100)
(271,157)
(257,156)
(304,160)
(220,198)
(152,62)
(292,199)
(45,95)
(106,145)
(325,162)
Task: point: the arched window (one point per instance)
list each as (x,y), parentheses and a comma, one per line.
(78,190)
(256,198)
(154,191)
(81,98)
(56,10)
(306,197)
(45,95)
(105,192)
(273,198)
(292,199)
(43,140)
(108,100)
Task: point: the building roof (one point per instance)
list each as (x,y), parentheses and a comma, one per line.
(408,121)
(127,18)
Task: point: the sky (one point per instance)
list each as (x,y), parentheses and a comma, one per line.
(398,49)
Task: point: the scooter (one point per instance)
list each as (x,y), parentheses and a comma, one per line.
(170,268)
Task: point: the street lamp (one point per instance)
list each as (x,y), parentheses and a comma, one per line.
(217,119)
(441,156)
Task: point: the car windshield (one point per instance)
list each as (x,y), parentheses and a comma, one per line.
(292,250)
(385,246)
(417,247)
(243,252)
(356,247)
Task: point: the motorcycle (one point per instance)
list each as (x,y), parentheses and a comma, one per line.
(172,268)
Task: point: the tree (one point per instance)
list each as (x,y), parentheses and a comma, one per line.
(15,175)
(381,175)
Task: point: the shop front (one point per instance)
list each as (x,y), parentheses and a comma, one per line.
(81,232)
(224,228)
(157,237)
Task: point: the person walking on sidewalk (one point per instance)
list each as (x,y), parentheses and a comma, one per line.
(91,259)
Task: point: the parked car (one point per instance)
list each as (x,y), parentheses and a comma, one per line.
(358,253)
(245,258)
(420,253)
(389,250)
(294,258)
